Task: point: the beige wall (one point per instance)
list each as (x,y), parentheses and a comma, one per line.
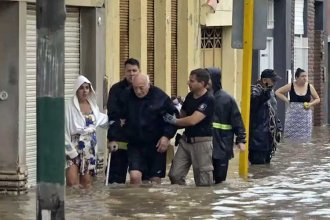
(221,17)
(112,42)
(231,66)
(189,38)
(138,32)
(162,77)
(82,3)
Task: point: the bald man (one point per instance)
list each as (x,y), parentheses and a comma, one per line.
(147,134)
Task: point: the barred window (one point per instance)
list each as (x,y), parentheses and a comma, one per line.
(211,37)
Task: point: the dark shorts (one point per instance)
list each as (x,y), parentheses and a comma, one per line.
(118,166)
(147,160)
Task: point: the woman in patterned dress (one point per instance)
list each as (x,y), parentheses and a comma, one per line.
(82,117)
(298,118)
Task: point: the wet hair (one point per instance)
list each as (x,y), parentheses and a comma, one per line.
(202,75)
(298,72)
(133,62)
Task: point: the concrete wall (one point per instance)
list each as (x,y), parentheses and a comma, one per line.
(13,172)
(9,74)
(283,44)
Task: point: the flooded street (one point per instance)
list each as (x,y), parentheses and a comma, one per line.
(296,185)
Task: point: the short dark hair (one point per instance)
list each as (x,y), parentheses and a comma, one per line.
(270,74)
(202,75)
(298,72)
(133,62)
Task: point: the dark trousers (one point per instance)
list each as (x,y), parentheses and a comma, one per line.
(118,166)
(260,157)
(220,170)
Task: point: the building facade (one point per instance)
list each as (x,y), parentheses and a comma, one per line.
(84,54)
(169,37)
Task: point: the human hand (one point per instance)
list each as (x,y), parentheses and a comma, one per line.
(163,144)
(241,146)
(112,146)
(88,130)
(171,119)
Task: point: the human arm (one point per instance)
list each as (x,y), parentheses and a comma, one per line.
(117,112)
(70,149)
(191,120)
(316,98)
(163,144)
(169,109)
(205,108)
(259,96)
(280,93)
(238,125)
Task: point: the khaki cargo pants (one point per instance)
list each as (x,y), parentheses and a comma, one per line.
(199,155)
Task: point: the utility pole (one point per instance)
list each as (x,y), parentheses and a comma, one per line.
(246,81)
(50,109)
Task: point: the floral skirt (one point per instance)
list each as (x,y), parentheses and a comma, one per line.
(86,159)
(298,123)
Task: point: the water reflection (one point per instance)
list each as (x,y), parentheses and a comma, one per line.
(296,185)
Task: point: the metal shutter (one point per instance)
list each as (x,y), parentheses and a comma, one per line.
(31,115)
(174,46)
(150,39)
(124,35)
(72,65)
(71,49)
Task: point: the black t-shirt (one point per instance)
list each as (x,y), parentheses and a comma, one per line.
(205,105)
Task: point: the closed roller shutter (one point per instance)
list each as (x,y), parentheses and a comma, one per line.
(124,35)
(174,46)
(72,69)
(150,39)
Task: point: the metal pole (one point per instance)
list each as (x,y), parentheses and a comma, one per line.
(247,73)
(50,109)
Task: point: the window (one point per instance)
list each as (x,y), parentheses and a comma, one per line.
(211,37)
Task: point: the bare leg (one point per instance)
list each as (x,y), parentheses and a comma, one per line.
(72,176)
(135,177)
(156,180)
(86,180)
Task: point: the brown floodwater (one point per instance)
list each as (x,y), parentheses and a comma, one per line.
(296,185)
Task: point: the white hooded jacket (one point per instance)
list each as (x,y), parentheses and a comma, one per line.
(75,121)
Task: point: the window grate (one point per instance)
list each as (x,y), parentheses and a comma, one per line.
(211,37)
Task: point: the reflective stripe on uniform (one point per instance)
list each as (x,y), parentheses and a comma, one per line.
(221,126)
(122,145)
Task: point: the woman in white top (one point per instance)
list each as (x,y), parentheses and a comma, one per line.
(82,117)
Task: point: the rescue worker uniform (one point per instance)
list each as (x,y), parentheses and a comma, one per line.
(227,122)
(143,127)
(119,161)
(262,142)
(195,146)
